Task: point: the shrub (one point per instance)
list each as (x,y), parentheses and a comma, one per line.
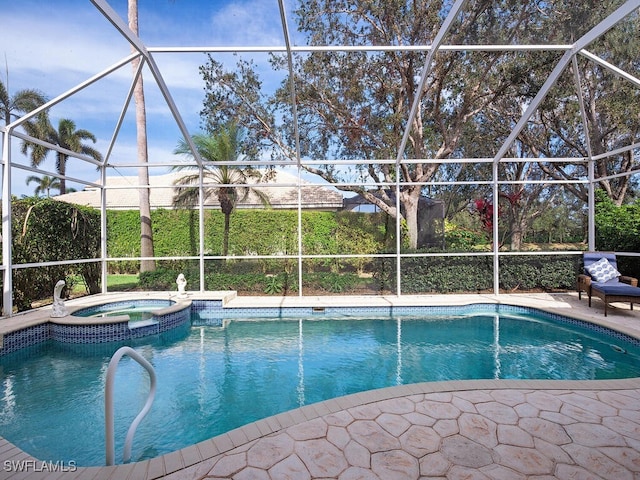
(473,274)
(46,230)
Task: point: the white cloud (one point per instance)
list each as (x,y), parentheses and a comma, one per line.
(248,23)
(55,46)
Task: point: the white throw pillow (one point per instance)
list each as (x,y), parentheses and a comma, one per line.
(602,271)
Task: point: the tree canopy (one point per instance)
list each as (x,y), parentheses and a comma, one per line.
(354,104)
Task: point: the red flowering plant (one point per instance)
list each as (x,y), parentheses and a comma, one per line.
(484,209)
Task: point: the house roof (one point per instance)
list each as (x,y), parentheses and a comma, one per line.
(282,192)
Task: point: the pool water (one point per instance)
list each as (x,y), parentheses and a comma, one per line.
(213,379)
(136,309)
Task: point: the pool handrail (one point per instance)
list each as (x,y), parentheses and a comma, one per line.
(108,403)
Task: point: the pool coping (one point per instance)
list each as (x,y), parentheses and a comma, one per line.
(199,454)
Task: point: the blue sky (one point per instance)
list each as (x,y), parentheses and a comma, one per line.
(54,46)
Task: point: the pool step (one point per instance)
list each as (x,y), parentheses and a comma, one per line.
(142,324)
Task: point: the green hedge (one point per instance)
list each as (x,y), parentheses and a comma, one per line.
(252,232)
(475,273)
(164,279)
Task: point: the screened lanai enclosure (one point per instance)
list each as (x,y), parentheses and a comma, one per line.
(314,147)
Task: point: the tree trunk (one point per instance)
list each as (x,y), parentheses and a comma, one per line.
(225,237)
(146,228)
(410,204)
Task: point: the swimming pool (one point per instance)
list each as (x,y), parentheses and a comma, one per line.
(212,378)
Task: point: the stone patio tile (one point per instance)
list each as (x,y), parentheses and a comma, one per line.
(229,464)
(479,429)
(434,464)
(291,467)
(544,401)
(446,428)
(251,473)
(338,436)
(396,425)
(438,410)
(199,470)
(499,472)
(339,419)
(579,413)
(358,473)
(596,462)
(545,430)
(509,397)
(527,410)
(527,461)
(463,404)
(444,397)
(397,405)
(575,471)
(322,458)
(579,399)
(461,451)
(372,436)
(357,455)
(628,457)
(591,435)
(498,412)
(366,412)
(633,415)
(420,441)
(513,435)
(316,428)
(554,452)
(268,451)
(623,426)
(395,465)
(419,419)
(459,472)
(475,396)
(557,417)
(618,400)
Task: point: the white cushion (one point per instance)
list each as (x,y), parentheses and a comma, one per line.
(602,271)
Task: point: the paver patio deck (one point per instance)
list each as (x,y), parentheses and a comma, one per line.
(484,429)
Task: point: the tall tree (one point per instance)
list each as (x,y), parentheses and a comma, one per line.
(22,101)
(354,105)
(612,103)
(67,137)
(44,184)
(146,228)
(229,182)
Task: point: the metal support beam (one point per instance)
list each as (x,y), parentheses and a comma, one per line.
(138,45)
(7,260)
(600,29)
(437,42)
(591,229)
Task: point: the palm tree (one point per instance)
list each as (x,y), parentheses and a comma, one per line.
(146,229)
(45,184)
(23,101)
(67,137)
(230,180)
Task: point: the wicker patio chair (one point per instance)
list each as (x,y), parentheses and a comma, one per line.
(602,279)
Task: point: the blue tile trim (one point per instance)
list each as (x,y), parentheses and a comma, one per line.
(26,337)
(211,312)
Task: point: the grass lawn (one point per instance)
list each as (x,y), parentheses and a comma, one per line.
(121,282)
(114,283)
